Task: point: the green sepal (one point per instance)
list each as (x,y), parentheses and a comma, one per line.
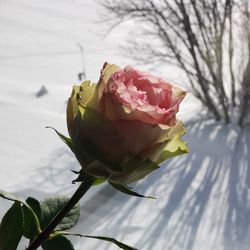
(126,190)
(99,181)
(11,227)
(60,243)
(30,230)
(134,169)
(51,206)
(104,238)
(64,138)
(83,176)
(16,198)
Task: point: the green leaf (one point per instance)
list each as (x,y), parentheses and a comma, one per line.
(65,139)
(11,228)
(124,189)
(35,205)
(12,197)
(112,240)
(104,238)
(16,198)
(30,230)
(60,243)
(51,206)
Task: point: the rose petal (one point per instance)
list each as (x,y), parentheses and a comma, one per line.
(72,107)
(97,101)
(145,97)
(116,111)
(139,136)
(91,128)
(167,148)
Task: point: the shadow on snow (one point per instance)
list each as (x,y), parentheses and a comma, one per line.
(203,198)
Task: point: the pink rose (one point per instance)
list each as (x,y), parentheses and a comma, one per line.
(128,115)
(147,98)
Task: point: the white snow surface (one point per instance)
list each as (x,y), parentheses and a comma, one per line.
(203,198)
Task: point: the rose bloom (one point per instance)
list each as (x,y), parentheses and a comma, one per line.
(124,126)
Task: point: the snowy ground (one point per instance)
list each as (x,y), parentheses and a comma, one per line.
(203,198)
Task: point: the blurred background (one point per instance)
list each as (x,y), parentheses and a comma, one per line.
(203,198)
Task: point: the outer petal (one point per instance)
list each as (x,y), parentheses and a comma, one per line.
(136,168)
(96,101)
(86,93)
(72,108)
(140,136)
(116,111)
(80,95)
(137,135)
(179,93)
(91,130)
(170,147)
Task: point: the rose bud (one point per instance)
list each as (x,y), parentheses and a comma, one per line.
(124,126)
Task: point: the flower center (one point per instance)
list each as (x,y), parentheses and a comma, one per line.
(127,93)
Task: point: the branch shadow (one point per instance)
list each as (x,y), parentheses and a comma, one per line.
(198,213)
(237,227)
(52,176)
(203,198)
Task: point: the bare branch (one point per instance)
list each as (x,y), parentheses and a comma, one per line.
(197,36)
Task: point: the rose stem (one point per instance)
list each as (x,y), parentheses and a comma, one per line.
(82,189)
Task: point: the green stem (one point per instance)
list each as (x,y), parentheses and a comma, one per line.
(44,235)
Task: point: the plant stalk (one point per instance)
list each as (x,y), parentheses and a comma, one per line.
(44,235)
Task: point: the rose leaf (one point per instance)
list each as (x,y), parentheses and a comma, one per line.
(51,206)
(11,228)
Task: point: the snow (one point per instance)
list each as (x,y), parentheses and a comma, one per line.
(203,198)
